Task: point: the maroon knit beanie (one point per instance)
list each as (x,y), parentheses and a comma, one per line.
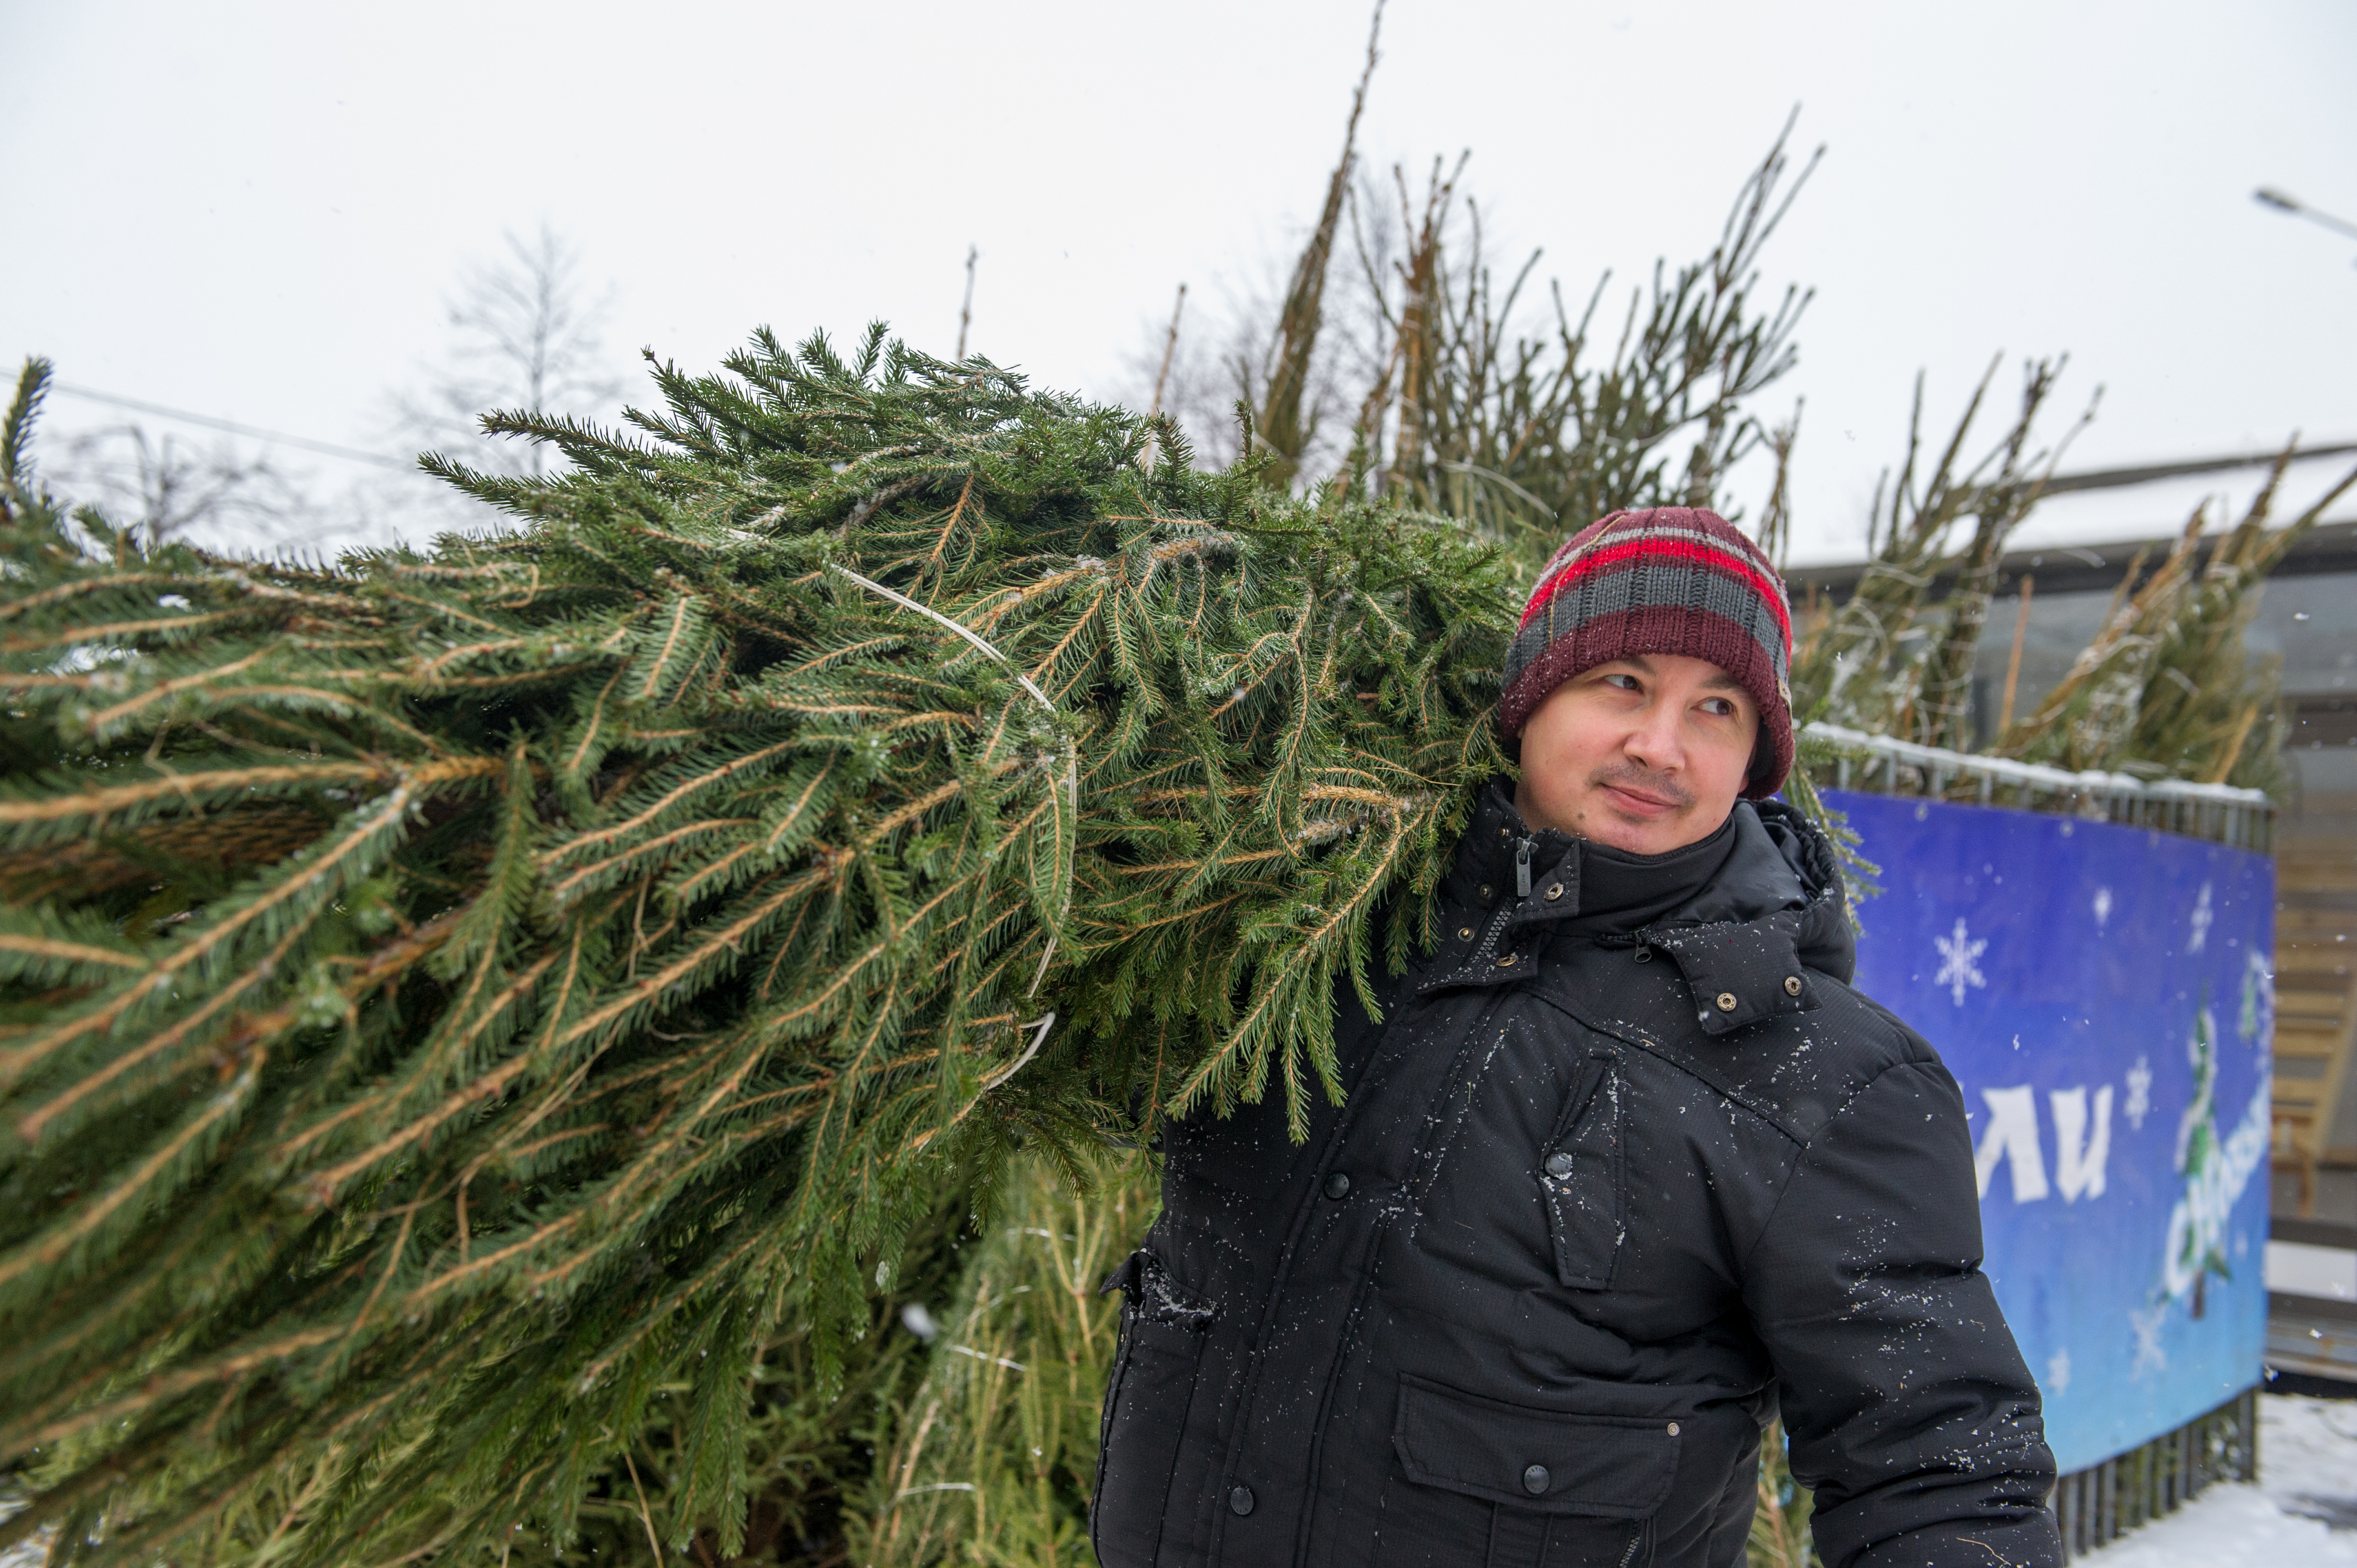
(1671,580)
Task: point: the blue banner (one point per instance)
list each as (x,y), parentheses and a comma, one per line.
(2105,996)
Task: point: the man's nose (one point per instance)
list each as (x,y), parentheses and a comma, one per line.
(1655,742)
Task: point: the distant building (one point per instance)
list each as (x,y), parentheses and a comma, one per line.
(2308,617)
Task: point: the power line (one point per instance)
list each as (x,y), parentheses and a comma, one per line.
(326,448)
(2099,480)
(2269,197)
(2111,478)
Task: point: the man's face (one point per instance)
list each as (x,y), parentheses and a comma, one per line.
(1646,754)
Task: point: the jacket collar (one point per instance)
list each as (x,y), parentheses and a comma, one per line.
(1745,939)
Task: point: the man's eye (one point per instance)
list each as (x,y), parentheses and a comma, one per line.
(1626,683)
(1721,706)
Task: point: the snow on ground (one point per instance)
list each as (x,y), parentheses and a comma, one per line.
(2308,1485)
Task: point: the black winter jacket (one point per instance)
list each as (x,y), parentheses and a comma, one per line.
(1616,1177)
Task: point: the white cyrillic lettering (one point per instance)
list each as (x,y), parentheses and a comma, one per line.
(2012,1130)
(2079,1155)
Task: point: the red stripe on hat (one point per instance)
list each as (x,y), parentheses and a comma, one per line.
(1575,558)
(1719,558)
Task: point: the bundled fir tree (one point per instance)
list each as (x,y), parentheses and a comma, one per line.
(2165,690)
(454,997)
(993,1457)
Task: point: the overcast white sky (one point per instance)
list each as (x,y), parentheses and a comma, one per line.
(255,211)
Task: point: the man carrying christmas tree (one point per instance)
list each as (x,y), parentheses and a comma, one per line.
(1625,1168)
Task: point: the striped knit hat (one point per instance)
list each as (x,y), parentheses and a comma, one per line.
(1673,580)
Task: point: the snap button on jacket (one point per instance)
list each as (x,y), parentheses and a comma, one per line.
(1579,1228)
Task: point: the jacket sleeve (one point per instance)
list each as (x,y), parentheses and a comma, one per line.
(1908,1405)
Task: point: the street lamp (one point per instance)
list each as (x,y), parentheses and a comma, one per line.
(2266,195)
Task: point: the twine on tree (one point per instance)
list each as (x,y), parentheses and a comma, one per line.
(1072,796)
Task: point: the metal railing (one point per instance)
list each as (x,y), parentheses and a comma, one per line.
(2219,813)
(2096,1505)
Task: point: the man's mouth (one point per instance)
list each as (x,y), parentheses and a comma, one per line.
(1630,797)
(1637,802)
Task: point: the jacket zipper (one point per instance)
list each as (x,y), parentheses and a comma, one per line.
(1523,867)
(1412,1193)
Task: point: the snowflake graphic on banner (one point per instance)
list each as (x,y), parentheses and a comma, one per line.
(2202,916)
(2139,1104)
(2102,907)
(1958,965)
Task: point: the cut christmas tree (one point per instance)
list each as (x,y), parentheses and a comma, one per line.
(453,997)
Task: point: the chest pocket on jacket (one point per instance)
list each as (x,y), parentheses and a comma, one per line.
(1581,1177)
